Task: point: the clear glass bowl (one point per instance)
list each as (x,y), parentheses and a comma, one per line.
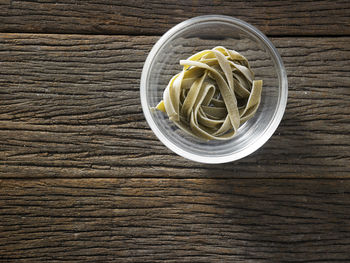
(206,32)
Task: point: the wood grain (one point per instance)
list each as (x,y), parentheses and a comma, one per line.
(175,220)
(155,17)
(70,108)
(84,179)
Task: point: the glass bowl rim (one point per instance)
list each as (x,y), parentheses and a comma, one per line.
(272,125)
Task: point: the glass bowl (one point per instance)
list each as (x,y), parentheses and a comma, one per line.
(206,32)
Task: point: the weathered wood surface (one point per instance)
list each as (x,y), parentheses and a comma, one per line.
(70,107)
(155,17)
(84,179)
(175,220)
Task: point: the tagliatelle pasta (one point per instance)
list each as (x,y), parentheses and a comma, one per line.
(213,95)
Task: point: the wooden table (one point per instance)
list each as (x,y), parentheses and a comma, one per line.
(84,179)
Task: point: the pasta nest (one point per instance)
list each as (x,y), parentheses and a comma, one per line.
(213,95)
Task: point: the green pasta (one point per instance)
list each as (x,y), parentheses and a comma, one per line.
(213,95)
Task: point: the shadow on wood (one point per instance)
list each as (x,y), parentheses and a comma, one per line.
(177,220)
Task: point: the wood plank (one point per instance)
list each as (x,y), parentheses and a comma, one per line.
(175,220)
(70,107)
(155,17)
